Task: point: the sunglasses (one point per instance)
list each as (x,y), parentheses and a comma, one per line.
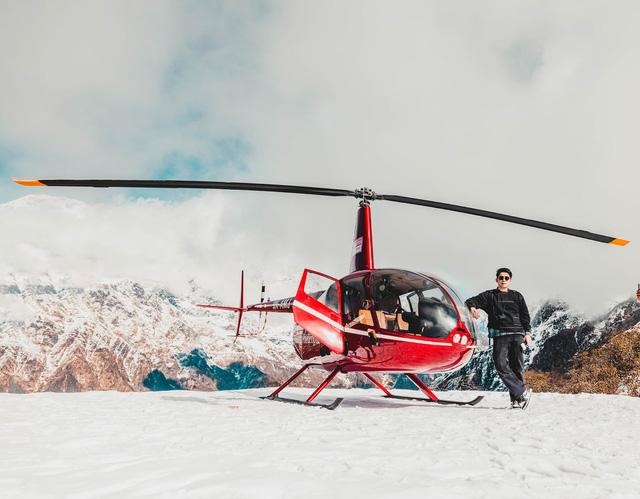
(503,278)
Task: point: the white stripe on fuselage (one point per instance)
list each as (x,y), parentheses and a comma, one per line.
(339,326)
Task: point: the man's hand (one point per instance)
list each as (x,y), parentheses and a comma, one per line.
(527,340)
(474,313)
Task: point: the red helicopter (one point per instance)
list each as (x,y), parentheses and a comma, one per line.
(372,320)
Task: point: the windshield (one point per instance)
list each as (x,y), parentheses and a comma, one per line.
(465,315)
(402,301)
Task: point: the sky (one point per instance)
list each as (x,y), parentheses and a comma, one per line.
(526,108)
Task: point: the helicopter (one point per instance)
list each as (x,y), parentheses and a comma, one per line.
(372,320)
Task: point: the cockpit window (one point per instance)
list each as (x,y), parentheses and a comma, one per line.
(412,303)
(354,299)
(322,289)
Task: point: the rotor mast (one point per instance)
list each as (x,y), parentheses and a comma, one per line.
(362,252)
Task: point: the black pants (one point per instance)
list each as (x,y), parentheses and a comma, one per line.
(509,362)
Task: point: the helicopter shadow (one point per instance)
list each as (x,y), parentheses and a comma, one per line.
(384,403)
(373,402)
(190,399)
(369,403)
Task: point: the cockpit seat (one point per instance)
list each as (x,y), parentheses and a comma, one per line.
(367,318)
(401,324)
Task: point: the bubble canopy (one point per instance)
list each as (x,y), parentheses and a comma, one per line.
(407,302)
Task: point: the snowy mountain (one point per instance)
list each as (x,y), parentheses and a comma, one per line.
(123,336)
(129,337)
(559,335)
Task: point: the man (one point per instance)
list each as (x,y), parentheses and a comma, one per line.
(509,326)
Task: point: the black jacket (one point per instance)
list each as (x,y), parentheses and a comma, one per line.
(507,311)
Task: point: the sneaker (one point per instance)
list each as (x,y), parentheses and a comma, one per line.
(515,404)
(525,399)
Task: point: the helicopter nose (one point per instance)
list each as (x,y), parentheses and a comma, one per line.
(461,336)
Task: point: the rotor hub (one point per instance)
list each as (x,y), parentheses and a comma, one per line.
(365,195)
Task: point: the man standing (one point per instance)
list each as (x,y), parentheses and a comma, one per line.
(509,326)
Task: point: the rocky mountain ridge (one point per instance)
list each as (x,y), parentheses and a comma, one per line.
(128,337)
(113,335)
(560,336)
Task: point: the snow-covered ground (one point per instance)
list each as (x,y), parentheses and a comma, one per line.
(234,445)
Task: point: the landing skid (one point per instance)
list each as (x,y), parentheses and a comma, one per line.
(431,397)
(439,401)
(333,405)
(425,389)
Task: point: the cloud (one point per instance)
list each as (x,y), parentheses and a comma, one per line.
(523,108)
(67,242)
(113,88)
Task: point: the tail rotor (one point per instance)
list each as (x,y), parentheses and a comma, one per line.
(241,308)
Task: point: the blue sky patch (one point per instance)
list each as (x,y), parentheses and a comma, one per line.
(9,157)
(227,156)
(224,160)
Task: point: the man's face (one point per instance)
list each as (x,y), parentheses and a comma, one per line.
(504,281)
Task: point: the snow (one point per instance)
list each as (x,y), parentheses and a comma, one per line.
(145,328)
(234,445)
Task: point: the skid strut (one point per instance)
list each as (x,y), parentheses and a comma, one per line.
(309,401)
(425,389)
(378,384)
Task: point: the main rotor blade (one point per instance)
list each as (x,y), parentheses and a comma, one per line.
(365,194)
(505,218)
(190,184)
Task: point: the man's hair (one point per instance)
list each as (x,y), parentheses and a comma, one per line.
(503,269)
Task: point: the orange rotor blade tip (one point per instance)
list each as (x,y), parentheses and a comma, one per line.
(619,242)
(29,183)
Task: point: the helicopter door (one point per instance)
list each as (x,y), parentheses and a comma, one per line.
(317,309)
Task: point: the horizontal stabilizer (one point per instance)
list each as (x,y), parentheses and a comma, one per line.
(221,307)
